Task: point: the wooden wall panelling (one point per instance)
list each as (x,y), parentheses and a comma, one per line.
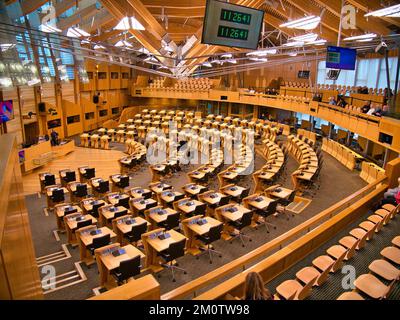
(86,99)
(18,263)
(115,70)
(102,70)
(125,81)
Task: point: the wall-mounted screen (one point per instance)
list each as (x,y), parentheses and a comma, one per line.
(341,58)
(303,74)
(231,25)
(6,111)
(54,123)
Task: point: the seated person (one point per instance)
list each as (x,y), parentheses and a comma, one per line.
(254,288)
(341,102)
(54,138)
(392,192)
(366,107)
(371,110)
(332,101)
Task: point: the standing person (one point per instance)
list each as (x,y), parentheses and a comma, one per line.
(54,138)
(254,288)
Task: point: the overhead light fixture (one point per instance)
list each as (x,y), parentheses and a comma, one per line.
(306,23)
(5,82)
(129,23)
(84,41)
(259,59)
(98,47)
(262,52)
(216,61)
(233,61)
(392,11)
(227,55)
(361,37)
(163,67)
(365,40)
(292,54)
(74,32)
(207,64)
(6,46)
(49,28)
(294,44)
(308,37)
(151,60)
(319,42)
(123,43)
(143,50)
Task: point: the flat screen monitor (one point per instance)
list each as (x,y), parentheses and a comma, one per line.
(303,74)
(231,25)
(6,111)
(341,58)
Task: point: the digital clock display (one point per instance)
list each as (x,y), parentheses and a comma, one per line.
(235,16)
(231,25)
(232,33)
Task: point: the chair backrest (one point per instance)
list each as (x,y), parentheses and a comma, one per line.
(245,193)
(104,186)
(323,276)
(124,202)
(246,219)
(137,231)
(89,173)
(81,190)
(338,263)
(129,268)
(306,291)
(95,209)
(215,232)
(70,176)
(49,180)
(123,182)
(291,197)
(101,241)
(200,209)
(120,214)
(177,249)
(271,209)
(172,220)
(83,223)
(58,195)
(223,201)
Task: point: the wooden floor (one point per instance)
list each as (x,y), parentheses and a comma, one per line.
(105,162)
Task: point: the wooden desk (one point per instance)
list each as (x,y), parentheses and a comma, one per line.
(211,197)
(87,204)
(107,262)
(144,288)
(191,229)
(264,203)
(121,228)
(184,208)
(71,223)
(154,245)
(232,190)
(108,212)
(228,213)
(305,176)
(85,239)
(158,187)
(71,186)
(193,189)
(138,192)
(168,196)
(139,205)
(155,217)
(60,210)
(115,198)
(283,193)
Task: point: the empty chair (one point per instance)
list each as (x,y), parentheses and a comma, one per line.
(351,295)
(127,269)
(286,202)
(396,241)
(84,223)
(49,180)
(391,253)
(80,191)
(326,262)
(89,173)
(384,269)
(99,242)
(123,182)
(270,210)
(239,225)
(207,239)
(372,286)
(69,176)
(289,287)
(104,186)
(337,250)
(171,222)
(307,275)
(136,232)
(199,210)
(174,251)
(57,196)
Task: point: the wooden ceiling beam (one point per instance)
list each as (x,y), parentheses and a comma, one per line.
(78,17)
(372,25)
(368,5)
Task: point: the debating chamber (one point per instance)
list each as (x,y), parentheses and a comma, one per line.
(199,150)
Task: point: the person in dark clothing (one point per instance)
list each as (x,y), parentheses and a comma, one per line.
(366,107)
(54,138)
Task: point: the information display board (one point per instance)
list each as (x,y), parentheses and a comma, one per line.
(231,25)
